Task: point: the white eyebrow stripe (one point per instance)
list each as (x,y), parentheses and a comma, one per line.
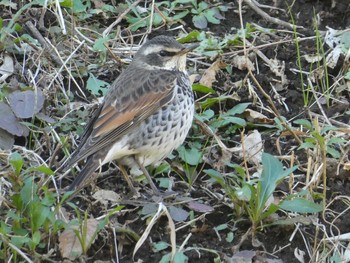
(156,49)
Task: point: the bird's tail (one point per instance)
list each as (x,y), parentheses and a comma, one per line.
(91,166)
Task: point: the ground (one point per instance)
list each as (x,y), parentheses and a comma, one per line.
(212,224)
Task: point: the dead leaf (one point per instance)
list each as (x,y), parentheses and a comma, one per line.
(209,74)
(198,207)
(69,244)
(242,63)
(7,68)
(9,122)
(103,196)
(253,148)
(346,166)
(6,140)
(178,214)
(252,115)
(26,103)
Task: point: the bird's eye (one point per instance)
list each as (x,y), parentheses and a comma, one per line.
(165,53)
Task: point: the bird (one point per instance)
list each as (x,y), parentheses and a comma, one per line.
(146,114)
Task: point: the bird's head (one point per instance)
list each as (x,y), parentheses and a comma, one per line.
(163,52)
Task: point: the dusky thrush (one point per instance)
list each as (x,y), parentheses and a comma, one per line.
(145,115)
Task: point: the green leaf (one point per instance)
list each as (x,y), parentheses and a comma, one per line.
(230,237)
(332,151)
(180,15)
(191,156)
(158,19)
(159,246)
(221,227)
(306,145)
(245,193)
(238,109)
(44,169)
(202,6)
(205,115)
(300,205)
(96,86)
(99,44)
(17,162)
(307,124)
(272,173)
(218,177)
(202,88)
(210,101)
(210,16)
(199,21)
(190,37)
(228,120)
(28,190)
(166,258)
(180,257)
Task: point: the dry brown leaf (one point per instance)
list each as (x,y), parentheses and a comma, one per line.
(346,166)
(69,244)
(252,148)
(252,115)
(242,63)
(209,74)
(103,196)
(7,68)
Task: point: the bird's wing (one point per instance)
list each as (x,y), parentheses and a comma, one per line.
(132,98)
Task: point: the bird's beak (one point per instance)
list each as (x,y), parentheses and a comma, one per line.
(187,49)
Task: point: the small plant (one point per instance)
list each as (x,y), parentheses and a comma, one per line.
(170,12)
(31,220)
(252,197)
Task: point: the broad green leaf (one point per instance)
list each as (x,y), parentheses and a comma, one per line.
(244,193)
(202,6)
(332,151)
(28,191)
(218,177)
(159,246)
(180,15)
(210,15)
(230,237)
(210,101)
(199,21)
(96,86)
(166,258)
(205,115)
(307,124)
(17,162)
(192,36)
(228,120)
(191,156)
(203,89)
(272,173)
(300,205)
(180,257)
(307,145)
(178,214)
(221,227)
(99,44)
(238,109)
(44,169)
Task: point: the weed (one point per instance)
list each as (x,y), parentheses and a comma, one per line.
(253,197)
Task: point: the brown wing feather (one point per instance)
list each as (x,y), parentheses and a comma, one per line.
(133,97)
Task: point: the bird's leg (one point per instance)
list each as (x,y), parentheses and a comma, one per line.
(145,172)
(127,178)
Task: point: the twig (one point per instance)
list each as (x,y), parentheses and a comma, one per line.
(120,17)
(252,5)
(51,52)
